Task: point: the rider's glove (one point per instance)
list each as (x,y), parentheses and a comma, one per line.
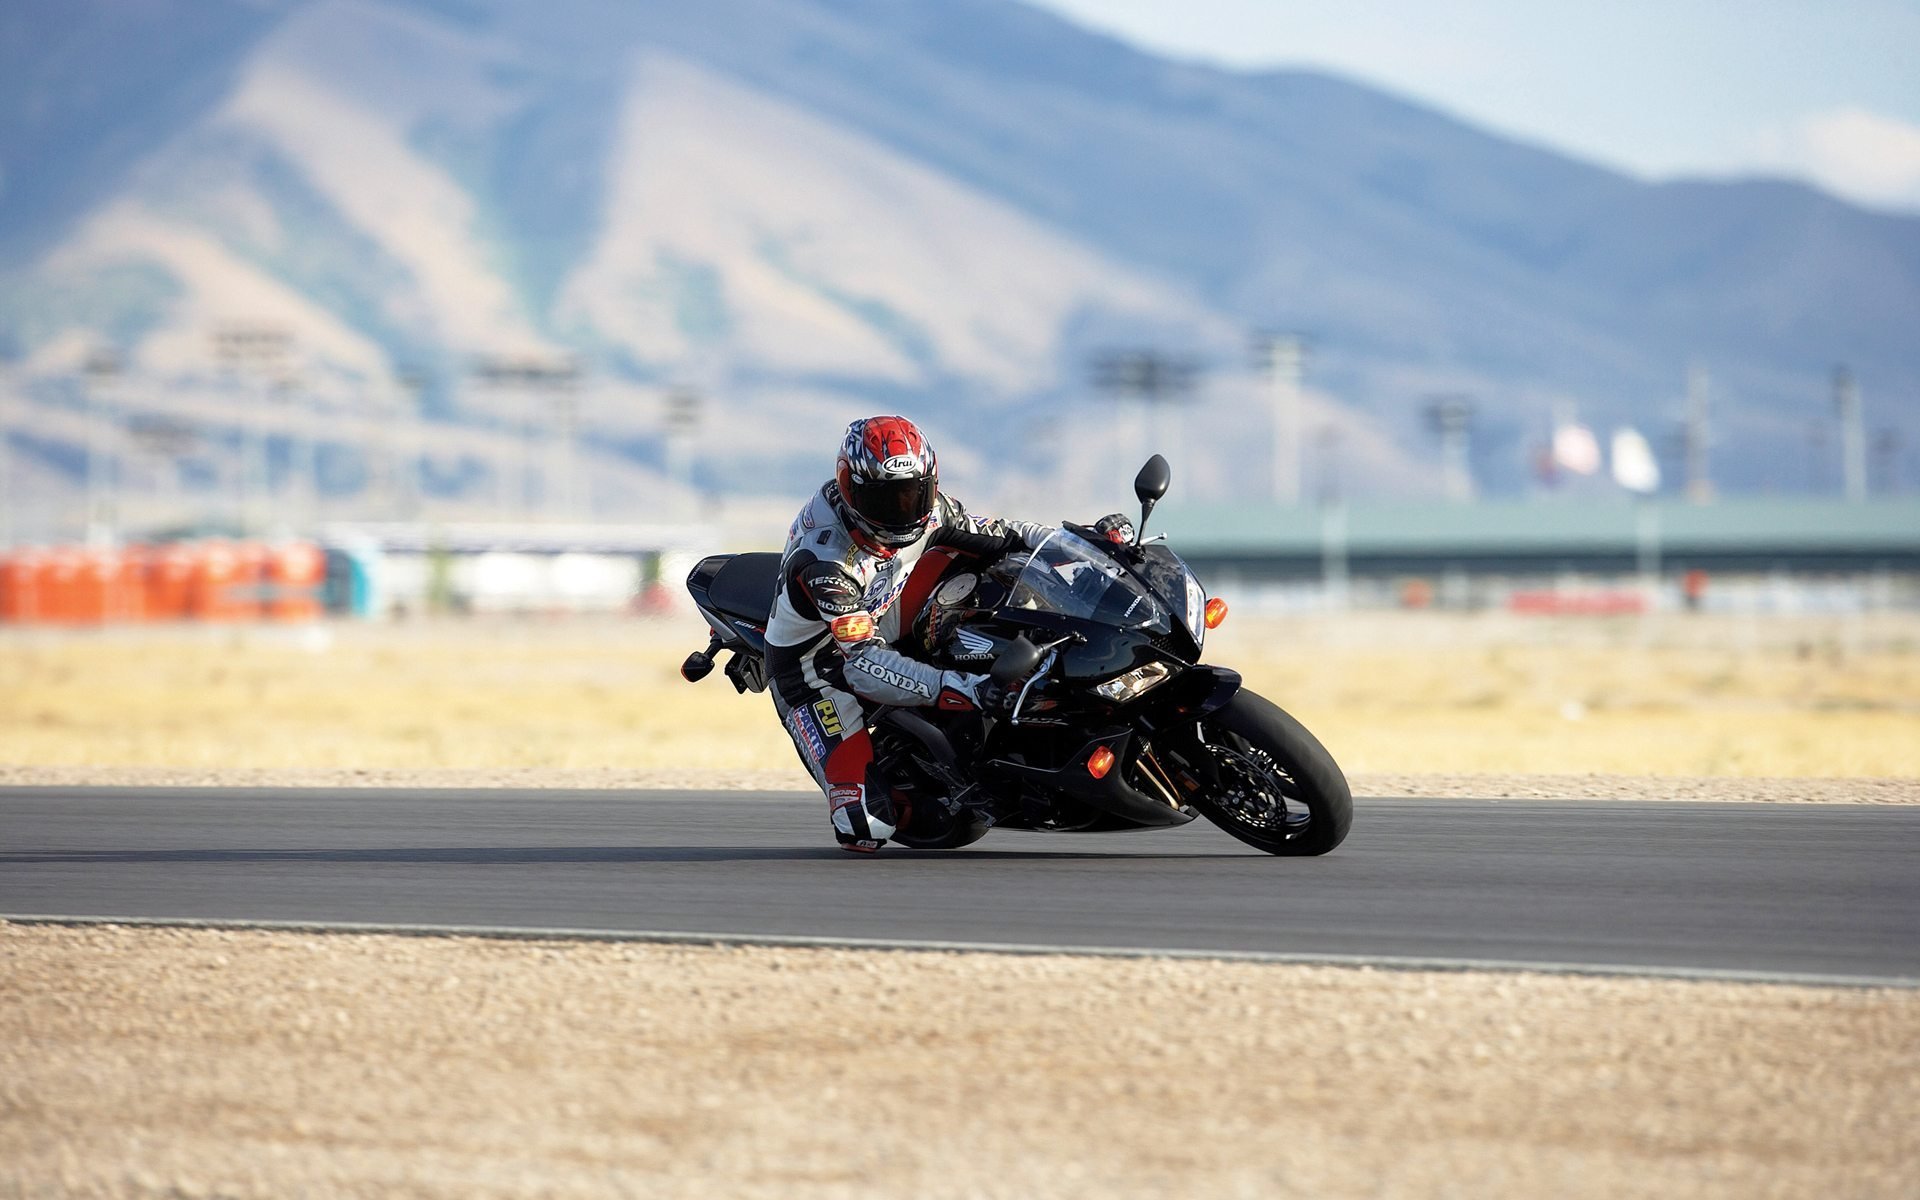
(961,691)
(970,541)
(1117,528)
(990,546)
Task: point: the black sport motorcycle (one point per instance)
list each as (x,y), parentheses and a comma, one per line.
(1109,720)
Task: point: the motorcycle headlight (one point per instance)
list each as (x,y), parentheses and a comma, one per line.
(1122,688)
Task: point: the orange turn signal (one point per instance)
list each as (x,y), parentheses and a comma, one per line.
(1100,762)
(1216,612)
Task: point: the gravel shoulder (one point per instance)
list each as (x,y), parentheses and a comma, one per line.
(1493,786)
(202,1062)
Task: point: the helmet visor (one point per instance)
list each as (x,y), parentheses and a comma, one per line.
(897,505)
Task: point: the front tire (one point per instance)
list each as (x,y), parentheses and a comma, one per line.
(1279,790)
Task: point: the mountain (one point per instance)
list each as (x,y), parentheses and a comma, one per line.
(809,208)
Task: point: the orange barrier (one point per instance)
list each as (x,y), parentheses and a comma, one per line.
(1550,603)
(203,581)
(169,584)
(93,590)
(21,583)
(214,595)
(80,587)
(249,596)
(61,587)
(294,574)
(127,592)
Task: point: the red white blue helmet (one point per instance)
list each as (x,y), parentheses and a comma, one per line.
(888,479)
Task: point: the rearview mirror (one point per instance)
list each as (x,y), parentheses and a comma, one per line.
(1149,485)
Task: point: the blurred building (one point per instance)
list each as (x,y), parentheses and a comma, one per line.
(1751,555)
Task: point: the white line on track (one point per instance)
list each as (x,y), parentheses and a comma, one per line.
(1385,962)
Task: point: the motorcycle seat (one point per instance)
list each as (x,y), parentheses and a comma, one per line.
(744,586)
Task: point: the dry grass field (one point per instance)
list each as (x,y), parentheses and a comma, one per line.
(1668,695)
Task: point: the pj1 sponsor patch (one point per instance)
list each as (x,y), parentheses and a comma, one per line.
(829,717)
(806,731)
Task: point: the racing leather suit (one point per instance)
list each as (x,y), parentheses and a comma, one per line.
(843,600)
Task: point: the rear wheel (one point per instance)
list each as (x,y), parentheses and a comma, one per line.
(930,830)
(1278,788)
(919,795)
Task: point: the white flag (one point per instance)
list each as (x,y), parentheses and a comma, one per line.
(1633,464)
(1575,449)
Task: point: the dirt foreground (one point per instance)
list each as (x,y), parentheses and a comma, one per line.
(209,1063)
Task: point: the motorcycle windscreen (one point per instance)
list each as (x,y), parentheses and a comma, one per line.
(1068,575)
(1172,578)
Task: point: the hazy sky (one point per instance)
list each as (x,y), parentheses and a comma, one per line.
(1828,92)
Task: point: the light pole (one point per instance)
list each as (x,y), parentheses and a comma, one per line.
(1284,356)
(1696,438)
(1451,416)
(303,453)
(566,398)
(682,421)
(1853,434)
(7,503)
(555,379)
(101,368)
(399,472)
(1886,453)
(166,442)
(1333,554)
(254,353)
(1149,376)
(1326,443)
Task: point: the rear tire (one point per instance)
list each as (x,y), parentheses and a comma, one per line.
(959,832)
(1282,792)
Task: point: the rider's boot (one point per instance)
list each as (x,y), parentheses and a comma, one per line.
(857,827)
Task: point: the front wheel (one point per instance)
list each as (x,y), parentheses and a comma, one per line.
(1278,789)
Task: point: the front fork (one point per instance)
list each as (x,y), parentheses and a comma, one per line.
(1171,757)
(1156,779)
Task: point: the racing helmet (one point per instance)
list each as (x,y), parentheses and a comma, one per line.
(888,479)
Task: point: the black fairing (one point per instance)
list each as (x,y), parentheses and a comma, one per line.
(735,593)
(1162,570)
(1040,758)
(1110,795)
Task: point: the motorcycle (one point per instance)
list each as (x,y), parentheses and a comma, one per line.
(1110,721)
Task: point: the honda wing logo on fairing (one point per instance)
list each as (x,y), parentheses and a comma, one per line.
(970,645)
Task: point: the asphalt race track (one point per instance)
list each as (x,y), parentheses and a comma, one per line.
(1763,890)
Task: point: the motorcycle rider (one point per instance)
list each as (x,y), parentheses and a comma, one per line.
(848,591)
